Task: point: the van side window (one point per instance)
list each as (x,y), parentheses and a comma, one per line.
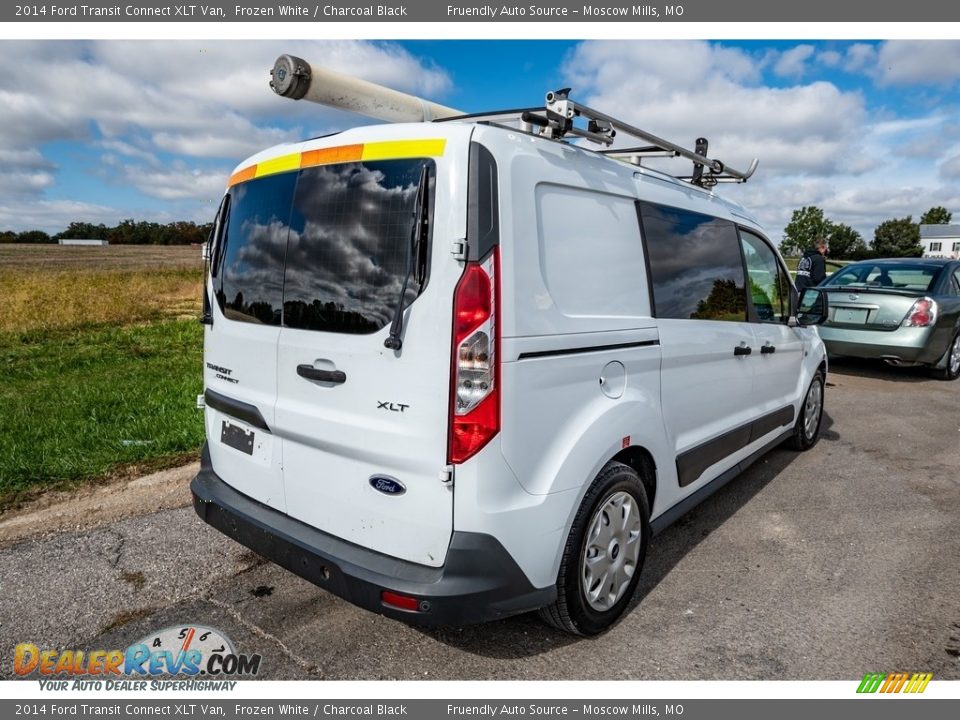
(248,269)
(769,287)
(695,265)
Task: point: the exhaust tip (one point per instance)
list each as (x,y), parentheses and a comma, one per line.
(290,77)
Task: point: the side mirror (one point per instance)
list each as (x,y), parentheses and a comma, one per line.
(812,308)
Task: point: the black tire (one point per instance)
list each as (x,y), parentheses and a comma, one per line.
(573,611)
(805,435)
(951,360)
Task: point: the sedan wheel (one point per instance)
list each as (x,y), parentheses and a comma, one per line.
(951,367)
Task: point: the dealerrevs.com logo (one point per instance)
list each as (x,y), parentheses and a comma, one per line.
(193,651)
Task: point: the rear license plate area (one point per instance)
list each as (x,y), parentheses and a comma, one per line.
(237,437)
(851,316)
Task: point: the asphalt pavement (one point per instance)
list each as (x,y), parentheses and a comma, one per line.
(821,565)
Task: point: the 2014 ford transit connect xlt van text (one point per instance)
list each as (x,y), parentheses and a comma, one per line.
(456,370)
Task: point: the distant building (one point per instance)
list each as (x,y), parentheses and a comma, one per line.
(940,240)
(82,241)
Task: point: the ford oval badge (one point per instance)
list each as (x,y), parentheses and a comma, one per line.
(387,485)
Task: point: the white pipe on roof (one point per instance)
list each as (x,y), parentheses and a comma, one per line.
(295,78)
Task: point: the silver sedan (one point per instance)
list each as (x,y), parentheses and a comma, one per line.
(905,311)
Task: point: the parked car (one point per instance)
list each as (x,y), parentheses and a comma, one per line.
(905,311)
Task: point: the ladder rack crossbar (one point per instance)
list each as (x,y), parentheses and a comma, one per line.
(630,153)
(559,104)
(556,120)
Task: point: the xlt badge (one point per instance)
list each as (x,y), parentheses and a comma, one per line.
(392,407)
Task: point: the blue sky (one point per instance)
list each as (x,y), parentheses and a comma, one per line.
(151,129)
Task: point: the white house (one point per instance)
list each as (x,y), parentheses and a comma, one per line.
(940,240)
(83,241)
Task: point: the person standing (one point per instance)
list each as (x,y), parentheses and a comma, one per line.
(812,269)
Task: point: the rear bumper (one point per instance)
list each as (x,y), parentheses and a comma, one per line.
(479,582)
(908,345)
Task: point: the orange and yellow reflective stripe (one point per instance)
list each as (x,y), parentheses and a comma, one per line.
(389,150)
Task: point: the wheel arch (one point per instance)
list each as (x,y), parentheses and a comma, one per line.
(642,462)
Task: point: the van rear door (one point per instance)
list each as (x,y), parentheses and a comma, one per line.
(364,426)
(240,344)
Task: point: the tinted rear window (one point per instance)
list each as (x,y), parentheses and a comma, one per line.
(248,269)
(325,248)
(901,276)
(348,249)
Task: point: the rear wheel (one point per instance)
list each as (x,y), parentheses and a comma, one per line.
(951,368)
(604,554)
(806,431)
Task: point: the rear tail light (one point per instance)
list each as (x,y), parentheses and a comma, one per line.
(922,314)
(475,392)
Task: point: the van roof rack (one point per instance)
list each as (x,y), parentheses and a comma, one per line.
(557,120)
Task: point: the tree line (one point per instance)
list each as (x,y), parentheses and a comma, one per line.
(127,232)
(898,237)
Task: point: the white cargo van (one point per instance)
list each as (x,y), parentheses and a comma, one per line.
(456,371)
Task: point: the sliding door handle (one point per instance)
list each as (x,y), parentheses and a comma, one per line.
(742,350)
(768,349)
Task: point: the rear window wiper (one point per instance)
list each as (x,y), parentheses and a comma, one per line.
(416,258)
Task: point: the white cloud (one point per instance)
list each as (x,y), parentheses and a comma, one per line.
(129,150)
(830,58)
(817,144)
(918,62)
(214,89)
(860,57)
(54,215)
(25,172)
(683,90)
(193,100)
(176,181)
(950,168)
(793,62)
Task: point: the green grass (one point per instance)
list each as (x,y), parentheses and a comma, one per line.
(83,403)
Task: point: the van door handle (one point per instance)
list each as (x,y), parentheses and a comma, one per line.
(337,377)
(742,350)
(768,349)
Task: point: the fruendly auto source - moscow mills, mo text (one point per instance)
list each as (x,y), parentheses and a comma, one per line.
(546,10)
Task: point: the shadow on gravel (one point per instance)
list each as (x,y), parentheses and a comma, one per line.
(526,636)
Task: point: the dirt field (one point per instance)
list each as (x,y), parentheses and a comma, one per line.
(49,287)
(110,257)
